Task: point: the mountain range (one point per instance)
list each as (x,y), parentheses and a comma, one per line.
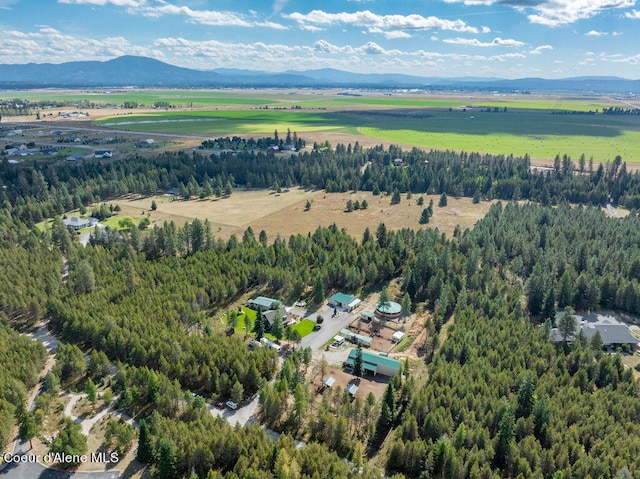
(144,72)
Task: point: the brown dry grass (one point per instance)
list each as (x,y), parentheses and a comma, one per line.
(284,214)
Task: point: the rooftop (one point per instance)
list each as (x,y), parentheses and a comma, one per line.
(342,298)
(374,359)
(389,308)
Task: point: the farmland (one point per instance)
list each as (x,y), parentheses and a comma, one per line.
(541,126)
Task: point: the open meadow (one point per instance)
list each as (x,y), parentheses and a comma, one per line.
(285,214)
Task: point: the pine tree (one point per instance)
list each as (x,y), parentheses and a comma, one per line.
(357,362)
(318,290)
(167,459)
(258,325)
(145,443)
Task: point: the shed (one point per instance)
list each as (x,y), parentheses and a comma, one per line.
(328,381)
(352,389)
(345,301)
(397,336)
(367,316)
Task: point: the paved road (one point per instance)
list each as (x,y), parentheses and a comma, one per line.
(330,326)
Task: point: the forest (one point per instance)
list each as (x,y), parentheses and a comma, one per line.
(36,190)
(500,399)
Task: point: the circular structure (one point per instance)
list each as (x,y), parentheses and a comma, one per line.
(390,310)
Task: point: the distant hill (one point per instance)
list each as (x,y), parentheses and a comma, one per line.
(146,72)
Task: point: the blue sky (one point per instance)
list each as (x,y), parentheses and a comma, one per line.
(442,38)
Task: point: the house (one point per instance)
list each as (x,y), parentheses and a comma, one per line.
(374,363)
(103,154)
(75,157)
(263,303)
(348,302)
(77,223)
(365,341)
(613,335)
(270,315)
(145,143)
(49,151)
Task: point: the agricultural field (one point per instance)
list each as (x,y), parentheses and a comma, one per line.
(537,125)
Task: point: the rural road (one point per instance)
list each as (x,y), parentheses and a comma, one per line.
(330,326)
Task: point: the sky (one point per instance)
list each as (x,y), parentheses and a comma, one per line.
(434,38)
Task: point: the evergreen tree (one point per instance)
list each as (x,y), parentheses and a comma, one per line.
(525,395)
(167,460)
(443,200)
(406,304)
(318,290)
(277,328)
(424,217)
(567,323)
(145,443)
(357,362)
(258,325)
(506,436)
(549,309)
(92,392)
(28,427)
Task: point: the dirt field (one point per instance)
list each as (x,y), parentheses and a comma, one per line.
(284,214)
(368,384)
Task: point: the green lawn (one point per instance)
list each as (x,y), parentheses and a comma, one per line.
(304,327)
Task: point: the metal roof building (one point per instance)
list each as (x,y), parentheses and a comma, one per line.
(375,364)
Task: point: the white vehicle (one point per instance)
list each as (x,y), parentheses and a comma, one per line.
(231,405)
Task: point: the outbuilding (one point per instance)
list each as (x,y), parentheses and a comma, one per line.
(348,302)
(389,310)
(374,363)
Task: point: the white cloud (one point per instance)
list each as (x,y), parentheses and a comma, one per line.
(47,43)
(633,14)
(594,33)
(540,49)
(326,47)
(553,13)
(617,34)
(369,19)
(390,35)
(485,29)
(102,3)
(371,48)
(311,28)
(474,42)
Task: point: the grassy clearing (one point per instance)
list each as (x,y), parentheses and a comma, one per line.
(284,214)
(304,327)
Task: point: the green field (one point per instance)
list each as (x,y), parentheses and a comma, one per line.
(541,134)
(531,125)
(228,121)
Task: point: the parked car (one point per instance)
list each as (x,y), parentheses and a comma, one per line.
(231,405)
(220,405)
